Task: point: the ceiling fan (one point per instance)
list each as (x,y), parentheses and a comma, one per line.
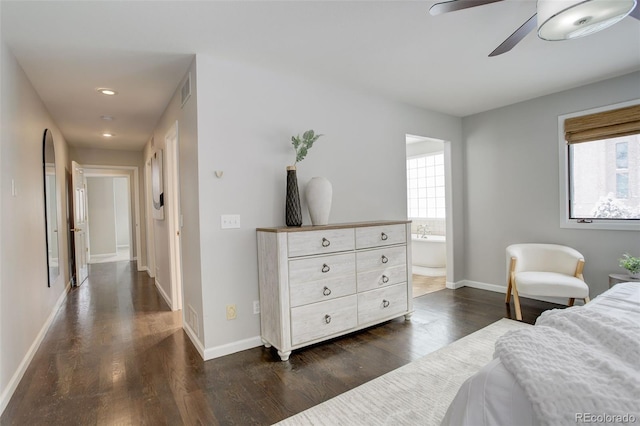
(555,19)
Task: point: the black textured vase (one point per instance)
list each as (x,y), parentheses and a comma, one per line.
(293,213)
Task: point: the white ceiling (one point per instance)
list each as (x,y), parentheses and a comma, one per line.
(393,48)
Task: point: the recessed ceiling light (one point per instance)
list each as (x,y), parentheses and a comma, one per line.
(107,117)
(108,92)
(108,135)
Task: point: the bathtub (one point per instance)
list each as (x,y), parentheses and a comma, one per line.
(429,252)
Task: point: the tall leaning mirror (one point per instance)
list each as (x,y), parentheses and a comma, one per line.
(50,206)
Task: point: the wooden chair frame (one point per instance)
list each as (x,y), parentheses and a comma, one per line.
(511,286)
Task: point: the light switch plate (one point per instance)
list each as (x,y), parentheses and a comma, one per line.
(230,221)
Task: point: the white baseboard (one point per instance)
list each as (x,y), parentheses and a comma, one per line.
(453,286)
(7,393)
(164,295)
(485,286)
(103,255)
(503,289)
(194,339)
(231,348)
(146,268)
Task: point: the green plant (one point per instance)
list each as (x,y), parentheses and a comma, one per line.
(304,144)
(630,263)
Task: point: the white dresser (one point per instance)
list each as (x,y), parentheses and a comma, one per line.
(319,282)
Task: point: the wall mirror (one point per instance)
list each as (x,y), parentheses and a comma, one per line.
(50,206)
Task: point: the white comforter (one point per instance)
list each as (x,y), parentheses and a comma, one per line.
(577,365)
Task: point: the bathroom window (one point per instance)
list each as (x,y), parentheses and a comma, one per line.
(425,186)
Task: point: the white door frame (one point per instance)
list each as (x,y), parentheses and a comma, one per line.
(80,223)
(151,236)
(171,140)
(106,170)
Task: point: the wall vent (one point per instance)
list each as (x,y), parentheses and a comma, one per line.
(185,91)
(192,320)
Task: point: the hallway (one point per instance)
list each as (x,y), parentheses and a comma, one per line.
(116,354)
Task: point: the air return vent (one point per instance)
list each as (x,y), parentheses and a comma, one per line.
(186,90)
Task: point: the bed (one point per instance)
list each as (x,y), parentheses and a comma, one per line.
(576,365)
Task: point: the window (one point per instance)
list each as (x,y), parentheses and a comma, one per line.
(601,155)
(425,187)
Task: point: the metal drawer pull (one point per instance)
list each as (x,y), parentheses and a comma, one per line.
(384,236)
(327,319)
(325,268)
(325,242)
(326,291)
(385,303)
(385,279)
(385,259)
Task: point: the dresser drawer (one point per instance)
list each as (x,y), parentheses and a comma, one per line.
(320,242)
(321,267)
(304,293)
(312,322)
(377,278)
(383,235)
(381,258)
(382,303)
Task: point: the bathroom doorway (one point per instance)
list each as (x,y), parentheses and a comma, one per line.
(426,208)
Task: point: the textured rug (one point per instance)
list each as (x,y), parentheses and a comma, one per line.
(418,393)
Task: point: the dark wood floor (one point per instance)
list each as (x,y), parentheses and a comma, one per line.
(116,354)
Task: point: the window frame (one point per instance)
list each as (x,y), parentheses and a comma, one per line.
(565,180)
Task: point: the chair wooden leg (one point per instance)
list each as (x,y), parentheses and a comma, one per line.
(587,300)
(572,301)
(516,303)
(511,279)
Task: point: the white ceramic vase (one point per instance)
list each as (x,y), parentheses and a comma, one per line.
(318,194)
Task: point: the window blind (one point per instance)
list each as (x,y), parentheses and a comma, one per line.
(603,125)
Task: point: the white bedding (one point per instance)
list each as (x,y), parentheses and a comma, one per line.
(494,396)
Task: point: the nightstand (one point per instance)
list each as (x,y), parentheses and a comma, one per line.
(620,278)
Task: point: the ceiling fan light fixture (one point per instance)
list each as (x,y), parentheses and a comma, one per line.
(567,19)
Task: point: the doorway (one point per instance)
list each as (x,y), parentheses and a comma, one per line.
(124,182)
(164,224)
(427,163)
(109,214)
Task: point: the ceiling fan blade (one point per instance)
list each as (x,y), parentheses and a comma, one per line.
(453,5)
(516,37)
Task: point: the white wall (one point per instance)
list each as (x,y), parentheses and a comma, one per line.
(420,148)
(246,117)
(512,184)
(186,116)
(102,216)
(109,214)
(27,305)
(121,200)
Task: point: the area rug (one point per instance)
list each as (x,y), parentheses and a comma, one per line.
(418,393)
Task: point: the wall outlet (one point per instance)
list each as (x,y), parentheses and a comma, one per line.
(256,306)
(229,221)
(231,312)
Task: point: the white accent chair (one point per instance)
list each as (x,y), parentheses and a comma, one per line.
(544,270)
